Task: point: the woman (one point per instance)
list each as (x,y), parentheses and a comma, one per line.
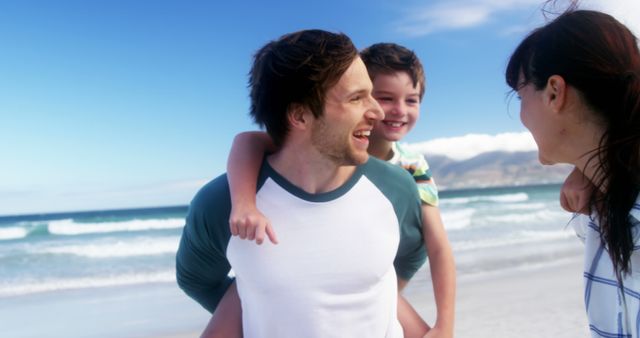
(578,78)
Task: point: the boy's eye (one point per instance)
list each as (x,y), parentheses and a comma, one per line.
(412,101)
(385,99)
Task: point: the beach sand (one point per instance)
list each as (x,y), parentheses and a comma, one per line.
(534,301)
(537,301)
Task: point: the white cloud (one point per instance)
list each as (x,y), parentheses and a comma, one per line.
(468,146)
(460,14)
(443,15)
(626,11)
(517,30)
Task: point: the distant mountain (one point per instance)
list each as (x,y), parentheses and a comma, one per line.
(497,168)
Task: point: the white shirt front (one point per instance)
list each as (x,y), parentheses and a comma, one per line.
(332,273)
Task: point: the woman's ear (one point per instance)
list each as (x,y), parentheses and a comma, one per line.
(555,93)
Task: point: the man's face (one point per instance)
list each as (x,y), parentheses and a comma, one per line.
(342,132)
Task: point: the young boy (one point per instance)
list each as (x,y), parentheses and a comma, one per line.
(398,86)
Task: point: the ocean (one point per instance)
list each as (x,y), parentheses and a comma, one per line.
(489,229)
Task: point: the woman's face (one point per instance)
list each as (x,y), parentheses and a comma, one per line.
(536,116)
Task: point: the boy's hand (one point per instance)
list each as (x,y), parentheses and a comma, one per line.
(436,332)
(251,224)
(576,192)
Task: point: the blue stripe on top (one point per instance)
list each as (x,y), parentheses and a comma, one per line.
(613,307)
(608,334)
(587,288)
(611,282)
(638,324)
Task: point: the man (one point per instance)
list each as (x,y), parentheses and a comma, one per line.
(344,220)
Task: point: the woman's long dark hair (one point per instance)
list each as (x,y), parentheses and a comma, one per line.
(598,56)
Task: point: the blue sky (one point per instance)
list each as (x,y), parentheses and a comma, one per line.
(117,104)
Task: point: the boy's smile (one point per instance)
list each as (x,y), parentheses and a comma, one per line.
(400,101)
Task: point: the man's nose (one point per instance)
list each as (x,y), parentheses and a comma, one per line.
(374,112)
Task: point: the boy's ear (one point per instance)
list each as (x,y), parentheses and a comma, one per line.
(298,116)
(555,93)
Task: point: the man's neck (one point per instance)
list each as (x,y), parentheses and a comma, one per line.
(309,170)
(381,149)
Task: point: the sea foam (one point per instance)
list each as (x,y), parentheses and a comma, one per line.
(69,227)
(457,219)
(85,282)
(505,198)
(12,233)
(521,237)
(528,217)
(130,248)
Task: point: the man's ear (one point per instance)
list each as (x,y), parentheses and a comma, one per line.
(555,93)
(299,116)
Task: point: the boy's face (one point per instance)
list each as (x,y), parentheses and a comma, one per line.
(400,101)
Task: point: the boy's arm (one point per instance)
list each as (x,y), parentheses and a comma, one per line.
(226,321)
(443,271)
(576,192)
(243,167)
(412,324)
(434,238)
(441,262)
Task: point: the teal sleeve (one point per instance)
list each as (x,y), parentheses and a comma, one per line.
(412,252)
(202,267)
(399,187)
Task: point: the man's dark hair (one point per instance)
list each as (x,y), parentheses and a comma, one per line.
(298,68)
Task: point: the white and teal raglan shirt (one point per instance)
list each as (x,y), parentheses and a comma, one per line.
(613,310)
(334,272)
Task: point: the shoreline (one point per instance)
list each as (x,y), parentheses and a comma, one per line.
(182,208)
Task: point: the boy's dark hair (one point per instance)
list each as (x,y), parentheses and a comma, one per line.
(298,68)
(389,58)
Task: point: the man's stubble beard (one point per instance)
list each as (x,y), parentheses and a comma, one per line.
(334,143)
